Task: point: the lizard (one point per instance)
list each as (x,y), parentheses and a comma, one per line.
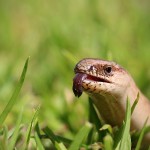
(108,85)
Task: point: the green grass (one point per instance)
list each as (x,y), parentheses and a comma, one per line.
(13,99)
(56,35)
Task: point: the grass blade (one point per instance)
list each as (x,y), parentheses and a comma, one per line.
(16,132)
(13,99)
(4,139)
(135,103)
(56,140)
(124,139)
(30,129)
(49,134)
(95,120)
(38,142)
(83,132)
(60,146)
(108,142)
(93,116)
(141,136)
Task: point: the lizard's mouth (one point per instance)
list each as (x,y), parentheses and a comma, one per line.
(80,77)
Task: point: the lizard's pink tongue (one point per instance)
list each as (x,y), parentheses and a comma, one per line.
(77,84)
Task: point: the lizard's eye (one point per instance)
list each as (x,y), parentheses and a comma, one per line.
(108,69)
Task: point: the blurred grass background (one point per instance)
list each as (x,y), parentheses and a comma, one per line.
(56,35)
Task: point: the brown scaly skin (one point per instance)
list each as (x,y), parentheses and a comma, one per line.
(109,85)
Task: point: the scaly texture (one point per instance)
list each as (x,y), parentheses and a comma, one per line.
(109,85)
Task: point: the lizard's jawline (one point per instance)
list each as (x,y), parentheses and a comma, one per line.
(80,77)
(97,79)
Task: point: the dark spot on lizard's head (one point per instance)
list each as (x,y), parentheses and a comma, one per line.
(91,68)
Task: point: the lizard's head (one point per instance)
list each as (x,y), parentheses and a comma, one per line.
(99,76)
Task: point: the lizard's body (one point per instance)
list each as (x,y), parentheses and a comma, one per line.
(109,85)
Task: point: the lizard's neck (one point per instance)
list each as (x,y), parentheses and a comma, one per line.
(112,106)
(142,109)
